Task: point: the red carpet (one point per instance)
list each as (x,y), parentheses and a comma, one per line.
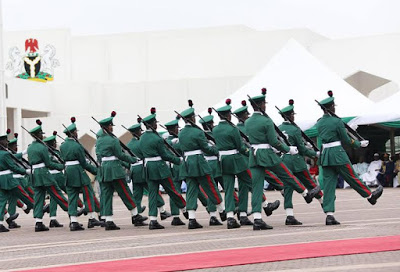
(241,256)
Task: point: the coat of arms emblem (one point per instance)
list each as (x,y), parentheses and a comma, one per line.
(33,65)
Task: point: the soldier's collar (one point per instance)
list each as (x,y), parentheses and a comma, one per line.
(257,112)
(149,130)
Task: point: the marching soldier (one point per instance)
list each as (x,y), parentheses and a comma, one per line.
(112,175)
(173,140)
(208,125)
(195,169)
(138,182)
(77,179)
(262,136)
(334,159)
(296,163)
(9,186)
(156,170)
(244,187)
(43,181)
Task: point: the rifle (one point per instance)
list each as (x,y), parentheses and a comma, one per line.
(170,132)
(209,137)
(165,142)
(302,132)
(205,123)
(113,135)
(50,149)
(351,131)
(280,133)
(60,137)
(24,163)
(84,149)
(244,136)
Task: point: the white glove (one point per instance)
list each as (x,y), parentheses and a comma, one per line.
(318,154)
(175,140)
(353,126)
(181,158)
(309,146)
(293,150)
(24,152)
(28,171)
(364,143)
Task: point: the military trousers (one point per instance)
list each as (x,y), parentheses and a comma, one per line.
(13,201)
(169,188)
(209,186)
(306,179)
(330,174)
(40,194)
(138,192)
(107,191)
(245,186)
(274,180)
(283,174)
(73,199)
(16,193)
(211,206)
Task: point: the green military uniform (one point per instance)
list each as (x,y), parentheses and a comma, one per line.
(139,183)
(195,169)
(334,160)
(156,171)
(296,163)
(77,179)
(112,174)
(43,181)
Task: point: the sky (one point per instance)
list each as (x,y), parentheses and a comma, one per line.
(333,19)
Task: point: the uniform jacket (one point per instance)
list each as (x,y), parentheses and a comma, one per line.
(7,182)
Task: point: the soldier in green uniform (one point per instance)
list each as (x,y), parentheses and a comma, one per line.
(77,179)
(9,186)
(156,171)
(334,160)
(112,175)
(195,169)
(296,163)
(262,136)
(244,187)
(208,125)
(139,184)
(43,181)
(173,140)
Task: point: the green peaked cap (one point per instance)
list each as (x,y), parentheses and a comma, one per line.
(150,118)
(5,136)
(328,100)
(50,138)
(289,109)
(135,127)
(260,97)
(225,108)
(208,118)
(37,129)
(172,123)
(15,140)
(241,109)
(109,120)
(188,112)
(72,127)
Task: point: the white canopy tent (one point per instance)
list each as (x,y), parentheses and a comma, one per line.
(293,73)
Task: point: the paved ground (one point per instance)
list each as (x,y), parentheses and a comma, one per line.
(24,249)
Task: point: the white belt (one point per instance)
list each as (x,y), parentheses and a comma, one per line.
(39,165)
(5,172)
(18,176)
(111,158)
(146,160)
(53,172)
(228,152)
(193,152)
(137,163)
(69,163)
(260,146)
(332,144)
(211,158)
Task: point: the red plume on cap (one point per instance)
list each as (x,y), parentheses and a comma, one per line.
(38,122)
(73,119)
(113,113)
(244,103)
(153,110)
(139,120)
(264,91)
(190,102)
(8,131)
(330,93)
(291,102)
(16,135)
(228,101)
(209,110)
(54,133)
